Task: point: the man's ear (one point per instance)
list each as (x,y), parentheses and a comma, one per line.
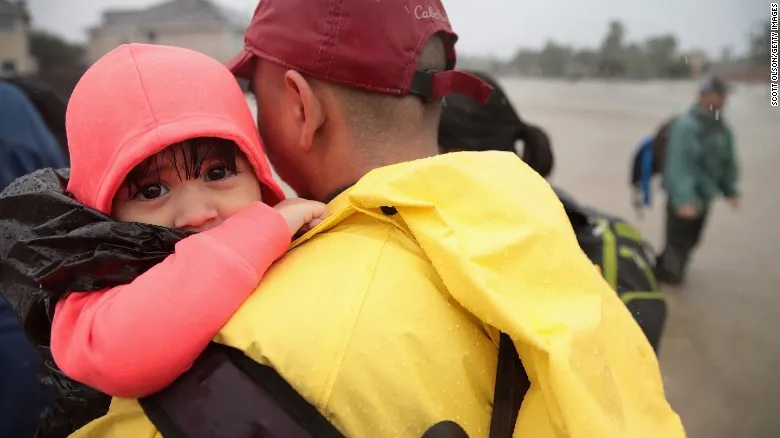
(307,107)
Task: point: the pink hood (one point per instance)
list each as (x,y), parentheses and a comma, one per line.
(137,100)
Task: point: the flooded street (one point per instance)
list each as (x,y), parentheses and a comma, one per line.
(721,352)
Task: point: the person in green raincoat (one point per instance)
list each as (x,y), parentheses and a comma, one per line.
(700,164)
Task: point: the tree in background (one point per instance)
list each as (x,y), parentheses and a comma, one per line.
(526,61)
(554,59)
(60,63)
(656,57)
(680,68)
(726,56)
(758,47)
(584,63)
(612,62)
(636,62)
(660,53)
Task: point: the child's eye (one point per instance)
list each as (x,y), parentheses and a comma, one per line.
(151,191)
(218,173)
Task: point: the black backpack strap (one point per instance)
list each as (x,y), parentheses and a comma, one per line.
(511,386)
(225,393)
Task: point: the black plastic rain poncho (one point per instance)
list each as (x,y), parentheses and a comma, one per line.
(51,245)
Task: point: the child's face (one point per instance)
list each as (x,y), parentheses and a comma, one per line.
(189,189)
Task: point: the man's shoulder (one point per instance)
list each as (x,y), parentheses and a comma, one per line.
(327,302)
(345,257)
(685,122)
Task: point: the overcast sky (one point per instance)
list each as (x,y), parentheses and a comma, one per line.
(499,27)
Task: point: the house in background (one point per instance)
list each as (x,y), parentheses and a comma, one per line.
(15,57)
(201,25)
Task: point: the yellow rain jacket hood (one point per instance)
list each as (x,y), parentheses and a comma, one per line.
(387,319)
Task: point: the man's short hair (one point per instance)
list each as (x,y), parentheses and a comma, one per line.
(373,113)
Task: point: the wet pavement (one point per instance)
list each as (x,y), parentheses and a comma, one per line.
(721,352)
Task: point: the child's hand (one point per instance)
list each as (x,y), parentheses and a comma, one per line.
(301,214)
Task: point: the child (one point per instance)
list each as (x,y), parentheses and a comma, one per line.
(163,135)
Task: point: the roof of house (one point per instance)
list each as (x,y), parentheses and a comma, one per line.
(13,7)
(117,16)
(177,12)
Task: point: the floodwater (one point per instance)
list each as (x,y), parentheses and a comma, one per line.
(721,352)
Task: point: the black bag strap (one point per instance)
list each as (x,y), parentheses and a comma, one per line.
(229,394)
(511,386)
(226,393)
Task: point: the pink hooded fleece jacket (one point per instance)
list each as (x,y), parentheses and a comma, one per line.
(136,339)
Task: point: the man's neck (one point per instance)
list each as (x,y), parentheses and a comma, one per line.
(339,173)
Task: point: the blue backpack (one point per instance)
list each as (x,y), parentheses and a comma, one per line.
(648,161)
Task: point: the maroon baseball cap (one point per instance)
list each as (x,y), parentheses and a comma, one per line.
(371,45)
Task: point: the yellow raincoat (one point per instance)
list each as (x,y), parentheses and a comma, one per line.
(387,321)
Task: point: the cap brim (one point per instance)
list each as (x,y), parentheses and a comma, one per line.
(241,64)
